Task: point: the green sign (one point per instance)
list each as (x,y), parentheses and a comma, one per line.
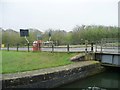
(39,36)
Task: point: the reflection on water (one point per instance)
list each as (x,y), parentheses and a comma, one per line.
(109,79)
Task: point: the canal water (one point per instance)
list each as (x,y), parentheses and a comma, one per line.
(110,79)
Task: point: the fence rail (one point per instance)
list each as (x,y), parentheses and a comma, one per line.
(98,47)
(64,48)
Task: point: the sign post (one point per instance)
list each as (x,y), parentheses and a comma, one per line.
(24,33)
(26,39)
(39,37)
(49,35)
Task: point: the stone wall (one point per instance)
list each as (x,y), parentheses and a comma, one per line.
(52,77)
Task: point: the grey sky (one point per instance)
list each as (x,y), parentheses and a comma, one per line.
(57,14)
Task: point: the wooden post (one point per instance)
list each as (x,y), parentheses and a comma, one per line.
(68,48)
(92,47)
(0,46)
(52,47)
(39,46)
(86,42)
(28,47)
(86,55)
(8,46)
(96,47)
(101,46)
(17,46)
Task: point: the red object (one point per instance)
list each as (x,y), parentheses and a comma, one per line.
(37,45)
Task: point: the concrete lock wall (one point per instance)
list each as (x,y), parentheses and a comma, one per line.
(52,77)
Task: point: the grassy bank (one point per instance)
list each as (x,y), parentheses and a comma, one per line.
(25,61)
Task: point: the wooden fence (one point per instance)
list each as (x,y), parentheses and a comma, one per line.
(52,48)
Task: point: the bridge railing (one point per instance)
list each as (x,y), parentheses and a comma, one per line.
(109,45)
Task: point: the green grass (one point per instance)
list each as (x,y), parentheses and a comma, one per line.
(13,61)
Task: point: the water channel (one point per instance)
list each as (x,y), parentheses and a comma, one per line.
(108,80)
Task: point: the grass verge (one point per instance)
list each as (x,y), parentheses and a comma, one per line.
(13,61)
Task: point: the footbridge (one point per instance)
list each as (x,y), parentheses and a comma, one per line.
(108,59)
(109,54)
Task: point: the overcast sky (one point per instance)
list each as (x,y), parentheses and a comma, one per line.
(57,14)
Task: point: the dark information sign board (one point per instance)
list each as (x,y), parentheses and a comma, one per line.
(24,32)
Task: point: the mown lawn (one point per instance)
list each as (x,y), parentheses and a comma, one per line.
(13,61)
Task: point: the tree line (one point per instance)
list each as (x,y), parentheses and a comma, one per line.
(78,35)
